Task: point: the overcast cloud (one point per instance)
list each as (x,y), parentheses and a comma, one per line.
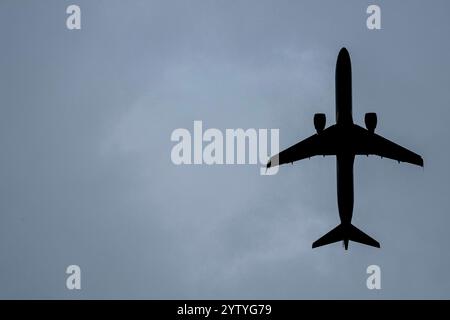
(86,176)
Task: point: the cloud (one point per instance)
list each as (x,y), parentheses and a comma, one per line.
(87,176)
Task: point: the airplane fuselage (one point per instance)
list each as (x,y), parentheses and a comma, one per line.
(344,122)
(344,89)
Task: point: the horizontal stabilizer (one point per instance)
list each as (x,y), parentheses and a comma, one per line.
(346,233)
(333,236)
(359,236)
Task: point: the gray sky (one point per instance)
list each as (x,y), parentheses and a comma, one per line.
(86,176)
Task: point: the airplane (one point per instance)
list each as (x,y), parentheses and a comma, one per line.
(345,140)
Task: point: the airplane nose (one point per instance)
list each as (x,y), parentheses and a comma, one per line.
(343,60)
(343,53)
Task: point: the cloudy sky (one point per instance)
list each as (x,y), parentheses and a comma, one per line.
(86,176)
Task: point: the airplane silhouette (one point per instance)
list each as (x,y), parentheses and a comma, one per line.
(345,140)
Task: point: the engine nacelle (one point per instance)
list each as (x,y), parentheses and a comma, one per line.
(319,122)
(371,121)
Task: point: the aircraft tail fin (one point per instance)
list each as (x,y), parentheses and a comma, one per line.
(346,233)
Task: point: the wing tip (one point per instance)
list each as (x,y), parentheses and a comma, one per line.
(273,162)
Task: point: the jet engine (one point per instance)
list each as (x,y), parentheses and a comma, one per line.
(371,121)
(319,122)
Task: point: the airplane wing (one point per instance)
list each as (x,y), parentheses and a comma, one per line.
(368,143)
(318,144)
